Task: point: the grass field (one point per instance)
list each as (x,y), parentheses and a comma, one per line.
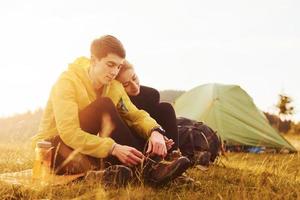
(236,176)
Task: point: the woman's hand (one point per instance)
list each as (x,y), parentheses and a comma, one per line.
(157,145)
(169,143)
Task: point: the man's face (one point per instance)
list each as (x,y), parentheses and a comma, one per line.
(130,81)
(106,69)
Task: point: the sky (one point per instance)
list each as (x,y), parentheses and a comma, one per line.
(173,44)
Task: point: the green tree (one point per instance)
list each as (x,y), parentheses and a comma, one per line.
(285,109)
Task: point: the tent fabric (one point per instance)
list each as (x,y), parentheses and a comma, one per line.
(230,111)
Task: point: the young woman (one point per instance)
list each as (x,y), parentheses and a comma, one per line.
(148,99)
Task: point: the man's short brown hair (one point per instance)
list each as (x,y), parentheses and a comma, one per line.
(106,44)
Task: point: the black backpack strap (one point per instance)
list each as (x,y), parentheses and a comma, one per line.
(191,136)
(204,136)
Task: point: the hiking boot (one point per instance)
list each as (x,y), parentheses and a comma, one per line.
(112,176)
(175,154)
(159,173)
(202,158)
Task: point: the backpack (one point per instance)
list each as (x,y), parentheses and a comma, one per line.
(198,141)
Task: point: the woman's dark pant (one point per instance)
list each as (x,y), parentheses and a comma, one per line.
(93,118)
(149,100)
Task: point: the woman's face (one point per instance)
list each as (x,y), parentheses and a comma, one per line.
(130,82)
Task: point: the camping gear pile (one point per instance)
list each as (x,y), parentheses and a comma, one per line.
(198,142)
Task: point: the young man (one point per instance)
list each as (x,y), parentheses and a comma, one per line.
(89,116)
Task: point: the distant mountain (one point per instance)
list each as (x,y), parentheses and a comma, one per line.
(170,95)
(21,127)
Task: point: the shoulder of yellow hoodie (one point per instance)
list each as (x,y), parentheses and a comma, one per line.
(75,68)
(140,120)
(83,61)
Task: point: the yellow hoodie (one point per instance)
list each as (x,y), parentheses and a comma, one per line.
(72,92)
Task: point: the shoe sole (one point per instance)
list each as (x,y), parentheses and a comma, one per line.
(180,169)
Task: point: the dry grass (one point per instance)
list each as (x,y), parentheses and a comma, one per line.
(240,176)
(294,140)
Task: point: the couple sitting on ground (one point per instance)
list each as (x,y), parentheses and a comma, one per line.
(95,128)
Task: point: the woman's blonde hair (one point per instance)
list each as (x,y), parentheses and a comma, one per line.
(125,66)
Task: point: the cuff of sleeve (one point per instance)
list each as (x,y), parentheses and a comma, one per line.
(103,150)
(157,128)
(112,149)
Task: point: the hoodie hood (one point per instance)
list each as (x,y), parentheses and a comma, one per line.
(80,68)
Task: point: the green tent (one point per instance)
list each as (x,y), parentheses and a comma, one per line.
(230,111)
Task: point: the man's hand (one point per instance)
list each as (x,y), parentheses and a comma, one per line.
(127,155)
(157,144)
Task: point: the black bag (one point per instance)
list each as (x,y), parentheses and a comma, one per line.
(198,141)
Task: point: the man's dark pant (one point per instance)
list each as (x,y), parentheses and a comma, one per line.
(93,118)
